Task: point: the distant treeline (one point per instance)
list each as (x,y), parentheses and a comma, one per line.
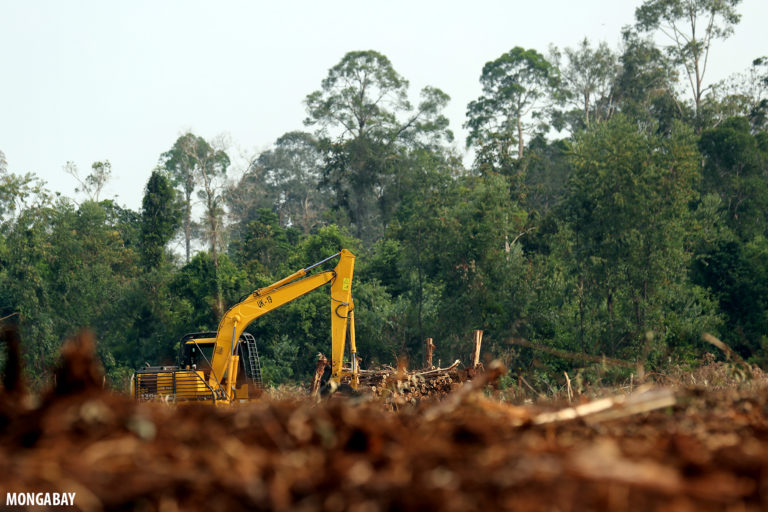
(617,205)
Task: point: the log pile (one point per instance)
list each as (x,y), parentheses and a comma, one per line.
(399,386)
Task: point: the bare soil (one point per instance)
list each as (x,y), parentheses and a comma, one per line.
(469,450)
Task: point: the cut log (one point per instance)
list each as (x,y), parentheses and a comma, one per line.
(428,350)
(322,362)
(478,341)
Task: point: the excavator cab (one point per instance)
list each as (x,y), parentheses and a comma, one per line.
(196,350)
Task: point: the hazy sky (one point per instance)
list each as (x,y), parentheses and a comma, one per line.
(94,80)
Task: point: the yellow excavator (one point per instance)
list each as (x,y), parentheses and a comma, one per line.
(223,367)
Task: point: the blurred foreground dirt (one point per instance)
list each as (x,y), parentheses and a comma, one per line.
(708,450)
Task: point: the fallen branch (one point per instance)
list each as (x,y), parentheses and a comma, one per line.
(572,355)
(611,408)
(729,352)
(529,386)
(439,370)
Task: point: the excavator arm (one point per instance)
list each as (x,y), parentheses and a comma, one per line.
(264,300)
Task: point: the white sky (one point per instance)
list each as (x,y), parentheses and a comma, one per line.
(94,80)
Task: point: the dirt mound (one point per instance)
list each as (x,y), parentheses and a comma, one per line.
(654,450)
(80,370)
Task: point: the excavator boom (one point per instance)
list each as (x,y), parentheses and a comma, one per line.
(224,360)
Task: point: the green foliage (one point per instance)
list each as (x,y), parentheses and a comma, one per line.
(736,274)
(279,367)
(262,246)
(736,169)
(691,26)
(20,194)
(514,85)
(462,263)
(587,82)
(191,162)
(628,207)
(630,237)
(355,94)
(376,332)
(547,167)
(160,219)
(364,101)
(285,179)
(327,241)
(65,269)
(645,85)
(197,286)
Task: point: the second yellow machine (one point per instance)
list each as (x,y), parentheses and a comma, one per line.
(231,369)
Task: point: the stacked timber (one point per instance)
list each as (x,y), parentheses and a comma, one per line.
(401,386)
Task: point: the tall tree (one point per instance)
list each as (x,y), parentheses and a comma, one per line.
(212,167)
(290,174)
(93,184)
(191,162)
(587,79)
(182,162)
(691,26)
(20,193)
(181,168)
(361,95)
(363,114)
(742,95)
(645,86)
(160,218)
(514,89)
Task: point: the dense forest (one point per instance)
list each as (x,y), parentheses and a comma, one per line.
(614,203)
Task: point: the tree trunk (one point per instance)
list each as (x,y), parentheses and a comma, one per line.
(187,223)
(217,277)
(586,109)
(611,337)
(421,284)
(214,227)
(581,315)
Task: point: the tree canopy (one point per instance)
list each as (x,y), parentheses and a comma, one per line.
(635,226)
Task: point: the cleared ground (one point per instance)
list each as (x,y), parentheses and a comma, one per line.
(683,448)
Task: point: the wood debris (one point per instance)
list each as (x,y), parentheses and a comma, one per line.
(652,450)
(400,386)
(610,408)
